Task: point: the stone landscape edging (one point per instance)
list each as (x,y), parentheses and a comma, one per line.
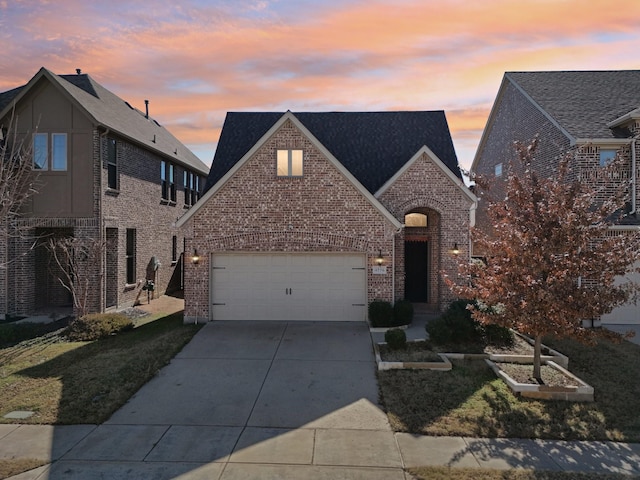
(444,365)
(582,393)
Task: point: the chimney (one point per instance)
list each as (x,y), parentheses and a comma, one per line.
(78,71)
(146,107)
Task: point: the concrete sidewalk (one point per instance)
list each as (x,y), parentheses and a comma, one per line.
(195,452)
(247,400)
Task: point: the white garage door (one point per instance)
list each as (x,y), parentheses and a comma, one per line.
(261,286)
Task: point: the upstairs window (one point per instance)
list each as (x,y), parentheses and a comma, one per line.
(498,170)
(57,154)
(40,151)
(58,151)
(112,164)
(607,156)
(168,181)
(187,190)
(192,186)
(289,163)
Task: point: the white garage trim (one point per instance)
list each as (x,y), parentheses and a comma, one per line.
(288,286)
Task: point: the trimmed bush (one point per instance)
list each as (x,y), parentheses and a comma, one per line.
(402,312)
(456,326)
(396,339)
(498,335)
(98,325)
(381,314)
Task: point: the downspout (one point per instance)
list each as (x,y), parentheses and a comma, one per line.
(103,260)
(634,186)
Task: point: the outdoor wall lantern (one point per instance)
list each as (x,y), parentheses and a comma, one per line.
(379,258)
(456,250)
(196,258)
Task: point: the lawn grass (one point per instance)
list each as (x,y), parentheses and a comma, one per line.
(445,473)
(470,401)
(85,382)
(9,468)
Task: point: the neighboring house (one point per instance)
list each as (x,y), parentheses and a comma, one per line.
(107,171)
(311,216)
(593,115)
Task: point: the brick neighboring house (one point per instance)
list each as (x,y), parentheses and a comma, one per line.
(593,115)
(106,171)
(310,216)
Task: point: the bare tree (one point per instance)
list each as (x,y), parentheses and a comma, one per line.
(17,178)
(551,258)
(77,263)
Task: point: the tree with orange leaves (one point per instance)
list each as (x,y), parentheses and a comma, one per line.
(551,258)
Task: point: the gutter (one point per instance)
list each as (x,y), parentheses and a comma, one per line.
(634,183)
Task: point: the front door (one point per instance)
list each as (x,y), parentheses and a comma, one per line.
(416,286)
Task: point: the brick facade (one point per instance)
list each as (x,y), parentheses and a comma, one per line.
(27,280)
(424,187)
(322,211)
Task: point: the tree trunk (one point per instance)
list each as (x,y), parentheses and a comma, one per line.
(537,348)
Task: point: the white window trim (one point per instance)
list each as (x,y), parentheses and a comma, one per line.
(290,162)
(66,153)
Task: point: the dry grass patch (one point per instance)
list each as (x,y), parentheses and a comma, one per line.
(445,473)
(470,401)
(85,382)
(9,468)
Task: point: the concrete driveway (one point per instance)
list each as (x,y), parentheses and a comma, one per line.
(250,400)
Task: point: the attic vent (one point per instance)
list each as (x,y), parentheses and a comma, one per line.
(128,105)
(78,71)
(154,139)
(156,122)
(175,152)
(146,108)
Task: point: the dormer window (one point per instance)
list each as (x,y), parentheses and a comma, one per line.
(289,163)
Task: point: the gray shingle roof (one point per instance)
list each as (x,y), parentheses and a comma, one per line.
(373,146)
(110,111)
(583,102)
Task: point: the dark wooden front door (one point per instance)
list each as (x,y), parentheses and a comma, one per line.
(416,257)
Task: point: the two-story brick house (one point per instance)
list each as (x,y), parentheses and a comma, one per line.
(591,115)
(106,171)
(310,216)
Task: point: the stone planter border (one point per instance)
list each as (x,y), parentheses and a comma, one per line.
(444,365)
(581,393)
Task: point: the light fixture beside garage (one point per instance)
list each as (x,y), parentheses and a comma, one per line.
(456,250)
(379,258)
(196,258)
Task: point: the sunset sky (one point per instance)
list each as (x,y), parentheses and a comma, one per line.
(197,59)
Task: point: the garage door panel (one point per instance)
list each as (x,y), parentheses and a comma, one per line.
(288,287)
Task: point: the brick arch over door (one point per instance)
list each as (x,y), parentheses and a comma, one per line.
(400,210)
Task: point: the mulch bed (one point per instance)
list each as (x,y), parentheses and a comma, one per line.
(550,376)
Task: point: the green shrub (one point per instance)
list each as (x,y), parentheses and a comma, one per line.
(498,335)
(12,333)
(402,312)
(381,314)
(396,339)
(455,325)
(98,325)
